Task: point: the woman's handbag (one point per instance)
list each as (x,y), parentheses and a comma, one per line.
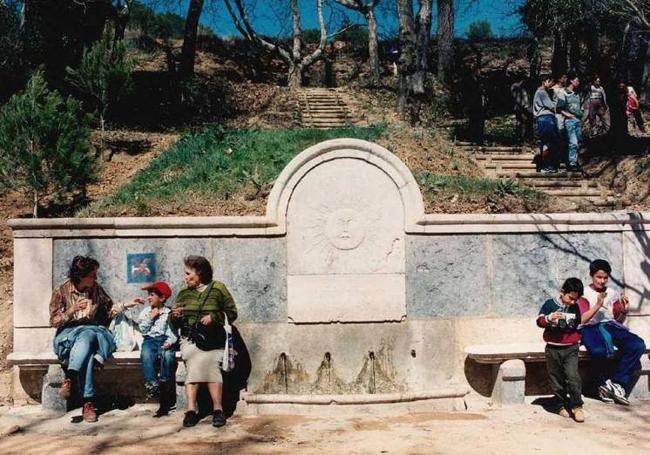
(228,363)
(207,337)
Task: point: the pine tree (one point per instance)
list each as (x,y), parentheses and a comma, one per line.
(104,74)
(44,144)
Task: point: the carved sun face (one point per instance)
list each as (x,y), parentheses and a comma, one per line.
(345,229)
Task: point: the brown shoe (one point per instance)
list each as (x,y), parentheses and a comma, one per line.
(66,389)
(564,413)
(89,414)
(578,414)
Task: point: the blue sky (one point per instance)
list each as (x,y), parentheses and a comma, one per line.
(270,22)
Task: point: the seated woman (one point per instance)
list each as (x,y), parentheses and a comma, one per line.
(202,302)
(79,310)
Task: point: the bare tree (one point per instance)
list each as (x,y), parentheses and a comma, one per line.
(295,59)
(188,52)
(423,31)
(445,39)
(407,63)
(368,11)
(630,10)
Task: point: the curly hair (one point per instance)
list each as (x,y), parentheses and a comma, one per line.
(201,266)
(81,267)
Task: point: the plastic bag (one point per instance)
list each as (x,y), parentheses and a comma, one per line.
(124,333)
(228,363)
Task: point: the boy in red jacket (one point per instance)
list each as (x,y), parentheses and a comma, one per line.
(560,319)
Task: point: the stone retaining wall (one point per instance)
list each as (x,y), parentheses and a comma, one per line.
(346,286)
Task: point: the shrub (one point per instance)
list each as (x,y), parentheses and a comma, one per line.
(44,144)
(104,74)
(479,31)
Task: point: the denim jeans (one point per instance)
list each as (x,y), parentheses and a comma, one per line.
(81,361)
(153,355)
(548,135)
(630,350)
(574,135)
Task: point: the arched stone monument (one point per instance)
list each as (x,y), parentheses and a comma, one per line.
(346,203)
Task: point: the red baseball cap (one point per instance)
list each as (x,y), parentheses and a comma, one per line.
(163,288)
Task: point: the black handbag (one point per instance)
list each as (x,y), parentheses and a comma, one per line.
(207,337)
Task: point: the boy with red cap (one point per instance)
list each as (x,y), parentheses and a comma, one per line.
(157,346)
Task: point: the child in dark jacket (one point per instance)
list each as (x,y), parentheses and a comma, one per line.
(560,319)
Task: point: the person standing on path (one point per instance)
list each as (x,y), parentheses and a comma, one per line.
(598,119)
(543,110)
(570,107)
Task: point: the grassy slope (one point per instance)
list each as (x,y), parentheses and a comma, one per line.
(216,171)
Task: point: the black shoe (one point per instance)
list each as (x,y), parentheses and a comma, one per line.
(218,419)
(162,412)
(191,419)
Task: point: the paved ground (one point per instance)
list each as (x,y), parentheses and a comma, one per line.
(610,429)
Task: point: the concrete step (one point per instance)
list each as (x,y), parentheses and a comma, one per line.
(539,175)
(513,166)
(505,157)
(538,183)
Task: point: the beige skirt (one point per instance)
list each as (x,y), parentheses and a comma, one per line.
(201,366)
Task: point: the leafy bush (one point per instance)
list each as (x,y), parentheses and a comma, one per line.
(11,60)
(44,144)
(480,31)
(104,74)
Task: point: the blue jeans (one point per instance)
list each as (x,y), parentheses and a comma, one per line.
(153,354)
(630,350)
(81,361)
(574,135)
(548,135)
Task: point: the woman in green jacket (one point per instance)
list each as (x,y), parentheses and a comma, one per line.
(203,302)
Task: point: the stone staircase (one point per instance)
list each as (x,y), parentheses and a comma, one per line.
(323,108)
(516,163)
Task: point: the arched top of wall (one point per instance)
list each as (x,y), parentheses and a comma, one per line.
(335,149)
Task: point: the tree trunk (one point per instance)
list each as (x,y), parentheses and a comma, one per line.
(559,59)
(294,78)
(407,63)
(422,50)
(445,39)
(373,47)
(575,55)
(188,52)
(35,204)
(645,83)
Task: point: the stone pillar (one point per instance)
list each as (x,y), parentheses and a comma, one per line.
(641,390)
(50,400)
(181,398)
(510,384)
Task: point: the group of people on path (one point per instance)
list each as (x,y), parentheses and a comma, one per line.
(81,311)
(559,108)
(594,316)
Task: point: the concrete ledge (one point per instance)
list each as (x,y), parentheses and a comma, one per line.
(38,360)
(271,225)
(355,399)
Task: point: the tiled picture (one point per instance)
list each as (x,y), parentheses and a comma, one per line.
(141,267)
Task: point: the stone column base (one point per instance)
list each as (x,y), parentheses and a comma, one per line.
(510,383)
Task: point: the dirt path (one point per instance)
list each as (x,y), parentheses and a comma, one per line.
(609,429)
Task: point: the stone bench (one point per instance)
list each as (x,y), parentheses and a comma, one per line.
(509,368)
(52,380)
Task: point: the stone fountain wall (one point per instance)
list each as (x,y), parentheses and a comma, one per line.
(345,285)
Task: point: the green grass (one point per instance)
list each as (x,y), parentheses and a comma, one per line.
(214,163)
(432,184)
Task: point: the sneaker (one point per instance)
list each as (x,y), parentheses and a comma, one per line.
(549,170)
(191,418)
(152,389)
(66,389)
(162,411)
(218,419)
(88,413)
(578,414)
(619,394)
(606,392)
(564,413)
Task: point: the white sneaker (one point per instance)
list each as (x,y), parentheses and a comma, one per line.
(619,394)
(606,392)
